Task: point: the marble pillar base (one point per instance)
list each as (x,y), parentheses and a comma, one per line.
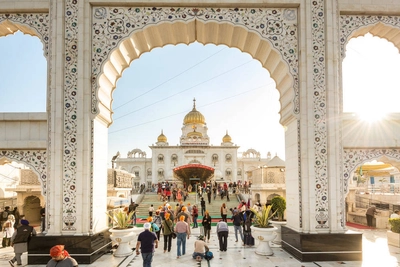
(322,247)
(84,249)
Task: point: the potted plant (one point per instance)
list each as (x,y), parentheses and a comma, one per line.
(122,231)
(279,206)
(393,236)
(262,229)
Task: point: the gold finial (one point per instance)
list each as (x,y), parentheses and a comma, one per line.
(194,103)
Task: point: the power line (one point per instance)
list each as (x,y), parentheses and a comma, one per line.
(205,105)
(170,79)
(187,89)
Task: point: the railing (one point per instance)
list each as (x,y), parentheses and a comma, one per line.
(363,202)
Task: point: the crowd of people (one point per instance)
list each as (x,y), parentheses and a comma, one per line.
(170,191)
(176,222)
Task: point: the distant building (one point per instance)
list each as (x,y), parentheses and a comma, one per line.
(194,159)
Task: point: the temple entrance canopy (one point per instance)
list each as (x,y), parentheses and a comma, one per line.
(192,173)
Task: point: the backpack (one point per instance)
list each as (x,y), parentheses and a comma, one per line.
(208,255)
(4,215)
(154,227)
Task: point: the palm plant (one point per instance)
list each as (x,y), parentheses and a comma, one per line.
(261,218)
(121,219)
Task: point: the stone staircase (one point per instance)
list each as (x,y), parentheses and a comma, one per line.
(213,208)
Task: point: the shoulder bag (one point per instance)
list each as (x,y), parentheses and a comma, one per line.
(173,234)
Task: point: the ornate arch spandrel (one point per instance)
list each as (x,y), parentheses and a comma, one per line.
(387,27)
(122,34)
(36,159)
(35,24)
(355,157)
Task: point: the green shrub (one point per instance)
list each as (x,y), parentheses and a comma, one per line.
(279,206)
(395,223)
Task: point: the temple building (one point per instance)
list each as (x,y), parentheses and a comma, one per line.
(195,159)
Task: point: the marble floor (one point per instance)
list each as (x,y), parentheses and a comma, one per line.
(376,253)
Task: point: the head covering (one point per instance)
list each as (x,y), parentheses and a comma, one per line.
(24,222)
(200,237)
(149,219)
(56,251)
(147,226)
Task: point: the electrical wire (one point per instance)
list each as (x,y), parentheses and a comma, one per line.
(195,65)
(187,89)
(205,105)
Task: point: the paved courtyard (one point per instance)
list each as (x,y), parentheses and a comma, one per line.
(376,252)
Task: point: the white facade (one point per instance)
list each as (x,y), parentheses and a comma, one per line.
(195,148)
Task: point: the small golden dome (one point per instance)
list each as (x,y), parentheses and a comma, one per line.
(194,116)
(162,137)
(226,138)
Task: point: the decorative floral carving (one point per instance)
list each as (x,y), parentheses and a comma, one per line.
(319,100)
(111,25)
(40,22)
(35,159)
(351,23)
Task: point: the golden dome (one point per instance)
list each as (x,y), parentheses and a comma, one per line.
(194,116)
(162,137)
(226,138)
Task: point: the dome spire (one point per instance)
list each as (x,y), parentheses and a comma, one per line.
(194,116)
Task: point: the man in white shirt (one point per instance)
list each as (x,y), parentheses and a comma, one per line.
(395,215)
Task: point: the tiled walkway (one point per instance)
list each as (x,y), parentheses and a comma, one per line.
(376,253)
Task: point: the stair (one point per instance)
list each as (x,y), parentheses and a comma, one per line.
(213,208)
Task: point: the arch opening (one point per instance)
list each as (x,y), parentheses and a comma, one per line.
(230,35)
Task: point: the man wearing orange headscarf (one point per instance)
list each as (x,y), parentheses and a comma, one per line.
(60,258)
(182,230)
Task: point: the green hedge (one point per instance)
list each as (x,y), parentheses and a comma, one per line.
(395,223)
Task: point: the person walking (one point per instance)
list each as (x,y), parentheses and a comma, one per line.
(146,242)
(168,226)
(195,215)
(20,240)
(17,217)
(237,220)
(60,258)
(4,216)
(157,220)
(224,212)
(203,206)
(222,232)
(182,230)
(8,231)
(206,222)
(132,207)
(151,210)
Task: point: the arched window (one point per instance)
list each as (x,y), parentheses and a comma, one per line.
(239,172)
(160,158)
(228,172)
(160,173)
(148,172)
(228,157)
(174,159)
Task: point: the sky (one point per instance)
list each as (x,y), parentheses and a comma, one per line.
(232,91)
